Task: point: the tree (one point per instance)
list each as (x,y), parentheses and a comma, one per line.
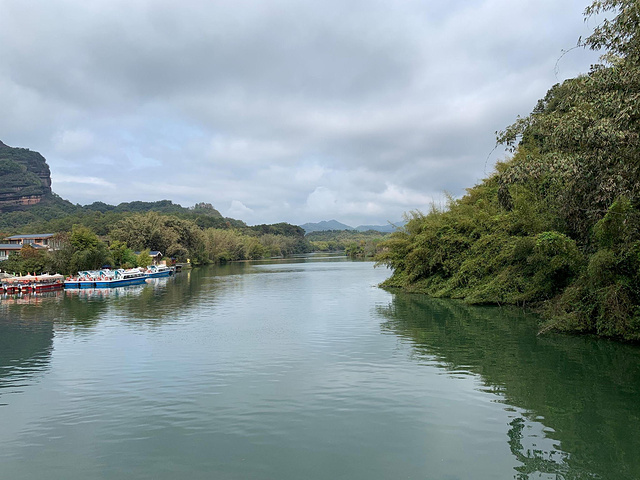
(619,36)
(144,258)
(27,260)
(90,252)
(558,224)
(122,255)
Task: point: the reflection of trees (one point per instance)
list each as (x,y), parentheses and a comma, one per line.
(26,338)
(154,302)
(163,298)
(584,389)
(535,461)
(79,313)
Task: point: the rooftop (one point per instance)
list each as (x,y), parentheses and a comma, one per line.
(31,236)
(18,246)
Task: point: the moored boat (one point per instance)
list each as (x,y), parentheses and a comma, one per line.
(154,271)
(32,283)
(105,278)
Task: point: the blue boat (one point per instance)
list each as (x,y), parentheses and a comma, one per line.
(105,278)
(155,271)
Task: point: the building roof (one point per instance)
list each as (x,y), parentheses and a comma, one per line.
(18,246)
(31,236)
(10,246)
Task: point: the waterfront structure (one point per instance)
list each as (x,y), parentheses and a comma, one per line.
(46,240)
(155,256)
(7,248)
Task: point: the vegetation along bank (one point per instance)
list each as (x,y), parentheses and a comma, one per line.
(557,226)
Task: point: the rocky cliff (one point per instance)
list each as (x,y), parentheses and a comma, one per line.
(25,178)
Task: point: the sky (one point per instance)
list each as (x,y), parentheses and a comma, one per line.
(278,110)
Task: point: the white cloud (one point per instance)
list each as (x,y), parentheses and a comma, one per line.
(240,210)
(404,197)
(101,182)
(289,109)
(322,201)
(73,141)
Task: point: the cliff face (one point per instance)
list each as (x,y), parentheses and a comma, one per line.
(25,178)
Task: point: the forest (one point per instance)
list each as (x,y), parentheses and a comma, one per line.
(91,240)
(556,227)
(354,243)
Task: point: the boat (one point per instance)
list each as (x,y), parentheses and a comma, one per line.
(32,283)
(105,278)
(154,271)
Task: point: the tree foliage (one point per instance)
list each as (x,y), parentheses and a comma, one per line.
(89,252)
(557,224)
(354,243)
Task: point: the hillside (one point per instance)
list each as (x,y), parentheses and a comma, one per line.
(25,178)
(28,205)
(390,227)
(324,226)
(334,225)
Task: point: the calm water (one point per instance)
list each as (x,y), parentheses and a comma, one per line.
(304,370)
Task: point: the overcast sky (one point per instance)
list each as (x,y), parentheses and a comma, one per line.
(278,110)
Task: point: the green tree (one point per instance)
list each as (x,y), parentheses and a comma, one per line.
(558,224)
(122,255)
(27,260)
(144,258)
(89,252)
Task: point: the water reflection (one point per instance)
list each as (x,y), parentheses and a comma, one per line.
(582,390)
(158,301)
(255,367)
(162,300)
(26,338)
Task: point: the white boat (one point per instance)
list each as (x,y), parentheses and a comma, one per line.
(105,278)
(154,271)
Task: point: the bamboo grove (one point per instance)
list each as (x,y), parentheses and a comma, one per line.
(557,225)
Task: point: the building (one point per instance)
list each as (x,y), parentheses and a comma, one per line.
(7,248)
(155,256)
(39,239)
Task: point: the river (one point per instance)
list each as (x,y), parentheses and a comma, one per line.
(304,369)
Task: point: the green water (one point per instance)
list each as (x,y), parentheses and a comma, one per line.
(304,369)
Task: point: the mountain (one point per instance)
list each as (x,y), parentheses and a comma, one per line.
(160,206)
(335,225)
(26,201)
(390,227)
(25,178)
(325,225)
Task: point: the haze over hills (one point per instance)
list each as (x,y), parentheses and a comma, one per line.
(326,225)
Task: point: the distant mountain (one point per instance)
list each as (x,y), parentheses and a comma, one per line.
(390,227)
(325,225)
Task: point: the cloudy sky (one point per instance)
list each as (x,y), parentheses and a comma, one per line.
(278,110)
